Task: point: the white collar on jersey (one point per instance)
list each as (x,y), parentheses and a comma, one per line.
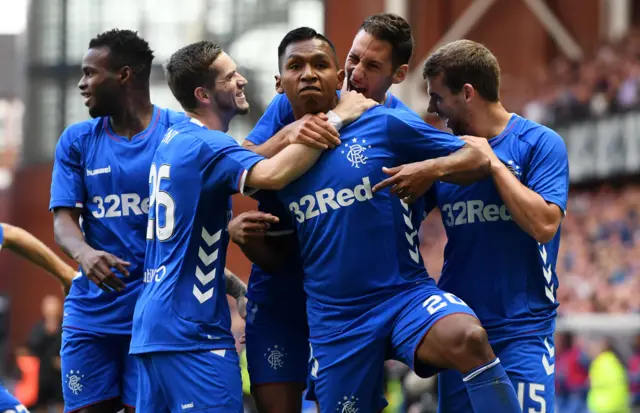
(197,122)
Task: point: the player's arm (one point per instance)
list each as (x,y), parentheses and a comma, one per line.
(537,205)
(277,128)
(67,196)
(31,248)
(285,167)
(249,231)
(432,155)
(96,264)
(237,289)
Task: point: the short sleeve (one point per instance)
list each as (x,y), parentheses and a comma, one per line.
(233,162)
(414,140)
(277,115)
(1,236)
(548,169)
(67,179)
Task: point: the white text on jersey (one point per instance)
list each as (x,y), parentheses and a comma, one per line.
(328,198)
(470,212)
(115,205)
(99,171)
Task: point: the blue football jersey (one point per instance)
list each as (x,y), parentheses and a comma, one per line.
(501,272)
(183,304)
(106,175)
(359,248)
(288,281)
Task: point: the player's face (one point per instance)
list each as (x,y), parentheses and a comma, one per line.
(369,66)
(229,86)
(309,76)
(100,85)
(451,107)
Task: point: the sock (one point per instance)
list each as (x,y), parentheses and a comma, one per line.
(490,389)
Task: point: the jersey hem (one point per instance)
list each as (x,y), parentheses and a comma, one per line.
(159,348)
(95,328)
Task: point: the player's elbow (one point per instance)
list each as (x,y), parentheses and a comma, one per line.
(265,176)
(545,232)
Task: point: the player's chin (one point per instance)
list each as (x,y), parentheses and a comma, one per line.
(97,111)
(243,108)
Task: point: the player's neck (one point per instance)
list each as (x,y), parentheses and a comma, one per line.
(134,117)
(299,111)
(491,121)
(212,120)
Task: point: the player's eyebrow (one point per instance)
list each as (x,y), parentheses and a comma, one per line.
(230,73)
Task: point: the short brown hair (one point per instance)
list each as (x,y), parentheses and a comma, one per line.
(395,30)
(190,68)
(466,61)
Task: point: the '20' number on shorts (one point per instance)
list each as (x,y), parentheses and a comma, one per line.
(436,302)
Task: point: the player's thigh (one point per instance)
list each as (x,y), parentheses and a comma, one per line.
(91,369)
(530,365)
(283,397)
(347,375)
(419,311)
(277,344)
(203,381)
(9,404)
(150,394)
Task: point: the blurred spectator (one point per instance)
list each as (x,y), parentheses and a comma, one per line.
(609,391)
(572,379)
(634,374)
(44,343)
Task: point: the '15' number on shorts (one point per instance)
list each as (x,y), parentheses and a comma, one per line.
(436,302)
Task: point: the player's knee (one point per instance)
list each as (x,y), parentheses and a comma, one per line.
(475,343)
(468,348)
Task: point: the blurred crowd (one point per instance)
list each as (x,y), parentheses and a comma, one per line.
(606,82)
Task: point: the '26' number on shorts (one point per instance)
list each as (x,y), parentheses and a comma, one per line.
(437,302)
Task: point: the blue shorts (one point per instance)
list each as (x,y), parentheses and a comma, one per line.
(96,367)
(277,344)
(9,404)
(347,367)
(202,381)
(529,363)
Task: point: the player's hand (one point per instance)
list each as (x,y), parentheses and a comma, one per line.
(97,266)
(252,224)
(241,305)
(243,339)
(314,131)
(352,105)
(409,181)
(483,146)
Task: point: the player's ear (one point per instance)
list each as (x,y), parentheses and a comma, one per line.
(341,76)
(468,92)
(125,74)
(279,87)
(202,95)
(400,74)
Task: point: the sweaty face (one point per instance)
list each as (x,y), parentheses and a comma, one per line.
(99,84)
(369,66)
(229,86)
(450,107)
(309,76)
